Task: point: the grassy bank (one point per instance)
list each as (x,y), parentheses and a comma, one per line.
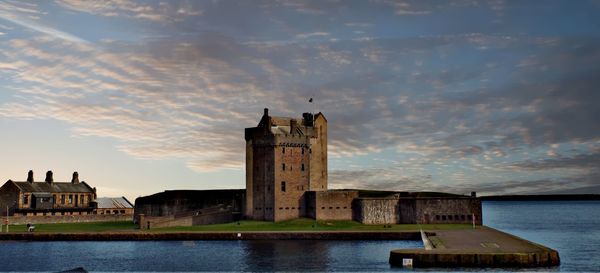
(302,224)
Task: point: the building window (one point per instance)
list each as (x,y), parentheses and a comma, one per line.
(283,150)
(322,207)
(25,199)
(443,217)
(437,217)
(70,199)
(283,186)
(283,167)
(54,199)
(310,151)
(302,150)
(62,199)
(81,199)
(302,167)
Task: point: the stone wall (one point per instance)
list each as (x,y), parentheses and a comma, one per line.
(425,210)
(178,202)
(330,205)
(376,210)
(288,164)
(217,217)
(53,219)
(458,210)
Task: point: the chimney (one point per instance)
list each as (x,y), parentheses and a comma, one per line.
(30,176)
(266,114)
(49,178)
(292,125)
(75,179)
(473,194)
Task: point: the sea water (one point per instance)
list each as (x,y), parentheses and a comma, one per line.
(572,228)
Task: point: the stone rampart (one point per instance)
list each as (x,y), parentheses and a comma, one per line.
(376,210)
(418,210)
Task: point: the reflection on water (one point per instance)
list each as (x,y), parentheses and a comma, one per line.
(290,255)
(569,227)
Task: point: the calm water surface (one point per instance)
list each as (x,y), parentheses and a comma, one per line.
(573,228)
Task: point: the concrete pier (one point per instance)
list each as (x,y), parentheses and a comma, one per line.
(480,247)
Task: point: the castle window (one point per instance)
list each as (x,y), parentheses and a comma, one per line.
(337,207)
(469,217)
(283,186)
(302,150)
(437,217)
(310,151)
(322,207)
(283,150)
(287,208)
(62,199)
(25,199)
(54,199)
(280,208)
(302,167)
(70,199)
(269,188)
(462,217)
(443,217)
(283,166)
(330,207)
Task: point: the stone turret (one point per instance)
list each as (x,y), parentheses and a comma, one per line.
(49,177)
(30,176)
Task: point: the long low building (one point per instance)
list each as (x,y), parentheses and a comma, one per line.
(30,198)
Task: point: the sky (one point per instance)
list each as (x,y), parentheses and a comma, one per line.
(498,97)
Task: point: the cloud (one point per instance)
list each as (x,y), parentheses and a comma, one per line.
(313,34)
(164,11)
(437,119)
(579,161)
(26,15)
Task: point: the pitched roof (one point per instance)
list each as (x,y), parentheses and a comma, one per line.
(53,187)
(113,202)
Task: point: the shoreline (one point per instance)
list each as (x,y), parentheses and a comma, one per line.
(226,235)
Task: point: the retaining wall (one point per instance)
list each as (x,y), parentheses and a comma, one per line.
(53,219)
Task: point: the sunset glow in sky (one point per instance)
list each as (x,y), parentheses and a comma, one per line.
(497,97)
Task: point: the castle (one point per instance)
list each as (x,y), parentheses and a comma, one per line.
(285,158)
(286,178)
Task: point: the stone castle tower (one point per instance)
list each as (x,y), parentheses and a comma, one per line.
(285,157)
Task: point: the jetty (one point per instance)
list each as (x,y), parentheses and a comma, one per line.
(479,247)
